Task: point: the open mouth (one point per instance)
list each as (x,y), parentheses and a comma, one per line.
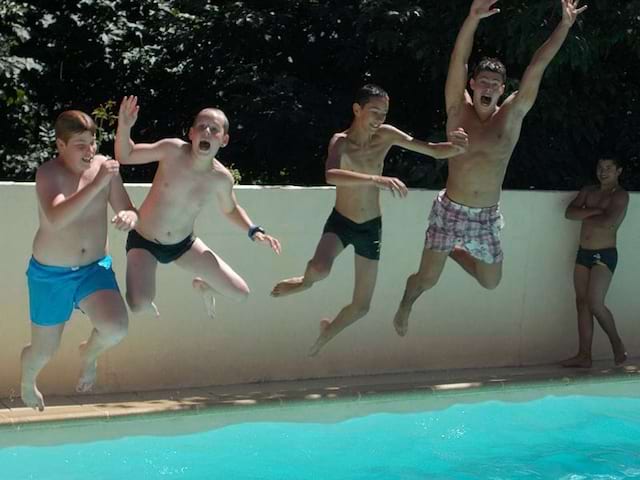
(204,145)
(87,159)
(485,100)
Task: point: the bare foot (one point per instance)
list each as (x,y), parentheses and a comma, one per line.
(579,361)
(619,354)
(29,393)
(401,321)
(288,286)
(320,342)
(207,295)
(89,375)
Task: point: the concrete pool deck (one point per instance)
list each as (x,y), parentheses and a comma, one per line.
(14,415)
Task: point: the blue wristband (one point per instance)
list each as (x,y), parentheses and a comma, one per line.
(253,229)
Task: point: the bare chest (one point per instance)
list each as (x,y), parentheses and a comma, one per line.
(183,188)
(364,160)
(598,199)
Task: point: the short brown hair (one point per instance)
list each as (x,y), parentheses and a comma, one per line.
(494,65)
(71,122)
(225,120)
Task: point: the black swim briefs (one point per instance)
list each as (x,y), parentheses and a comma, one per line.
(604,256)
(163,253)
(365,237)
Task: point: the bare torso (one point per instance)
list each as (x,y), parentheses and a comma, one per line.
(475,177)
(357,203)
(595,237)
(84,240)
(178,193)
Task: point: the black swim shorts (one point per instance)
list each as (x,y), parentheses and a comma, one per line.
(365,237)
(604,256)
(163,253)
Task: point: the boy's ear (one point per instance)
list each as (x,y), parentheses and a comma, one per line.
(356,109)
(60,144)
(225,140)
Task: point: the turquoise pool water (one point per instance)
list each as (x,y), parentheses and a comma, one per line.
(554,437)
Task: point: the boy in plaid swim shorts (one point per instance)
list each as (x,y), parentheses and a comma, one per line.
(465,221)
(474,229)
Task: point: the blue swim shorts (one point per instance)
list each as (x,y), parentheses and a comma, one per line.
(55,291)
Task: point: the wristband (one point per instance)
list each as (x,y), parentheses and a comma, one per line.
(253,229)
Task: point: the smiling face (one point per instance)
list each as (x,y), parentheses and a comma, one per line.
(209,132)
(79,151)
(487,89)
(608,172)
(372,114)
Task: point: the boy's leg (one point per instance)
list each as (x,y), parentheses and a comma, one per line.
(44,343)
(366,273)
(141,280)
(599,282)
(431,266)
(318,268)
(108,314)
(488,275)
(581,276)
(213,275)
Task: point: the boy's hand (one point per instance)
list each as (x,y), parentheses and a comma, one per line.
(109,169)
(459,140)
(570,11)
(125,220)
(394,185)
(482,9)
(268,240)
(128,113)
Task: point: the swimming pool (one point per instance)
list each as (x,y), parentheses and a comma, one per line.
(577,431)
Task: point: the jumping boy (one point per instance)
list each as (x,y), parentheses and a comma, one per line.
(70,267)
(188,177)
(354,165)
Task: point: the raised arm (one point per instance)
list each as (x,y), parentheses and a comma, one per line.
(129,153)
(578,210)
(526,96)
(334,175)
(457,144)
(613,214)
(228,204)
(61,210)
(455,91)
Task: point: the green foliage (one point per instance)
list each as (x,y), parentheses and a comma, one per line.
(285,72)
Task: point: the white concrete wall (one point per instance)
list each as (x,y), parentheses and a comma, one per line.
(529,319)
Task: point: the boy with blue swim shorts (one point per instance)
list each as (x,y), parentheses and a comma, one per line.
(70,267)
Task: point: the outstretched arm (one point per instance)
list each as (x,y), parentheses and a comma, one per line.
(525,98)
(237,215)
(457,144)
(455,88)
(129,153)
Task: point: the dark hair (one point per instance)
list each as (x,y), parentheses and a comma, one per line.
(369,91)
(494,65)
(612,158)
(71,122)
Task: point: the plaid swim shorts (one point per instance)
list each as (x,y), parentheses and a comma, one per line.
(475,229)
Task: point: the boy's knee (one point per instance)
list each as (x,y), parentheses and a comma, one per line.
(490,283)
(321,269)
(596,306)
(426,280)
(138,304)
(361,310)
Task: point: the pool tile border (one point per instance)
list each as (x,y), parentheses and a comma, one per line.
(13,414)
